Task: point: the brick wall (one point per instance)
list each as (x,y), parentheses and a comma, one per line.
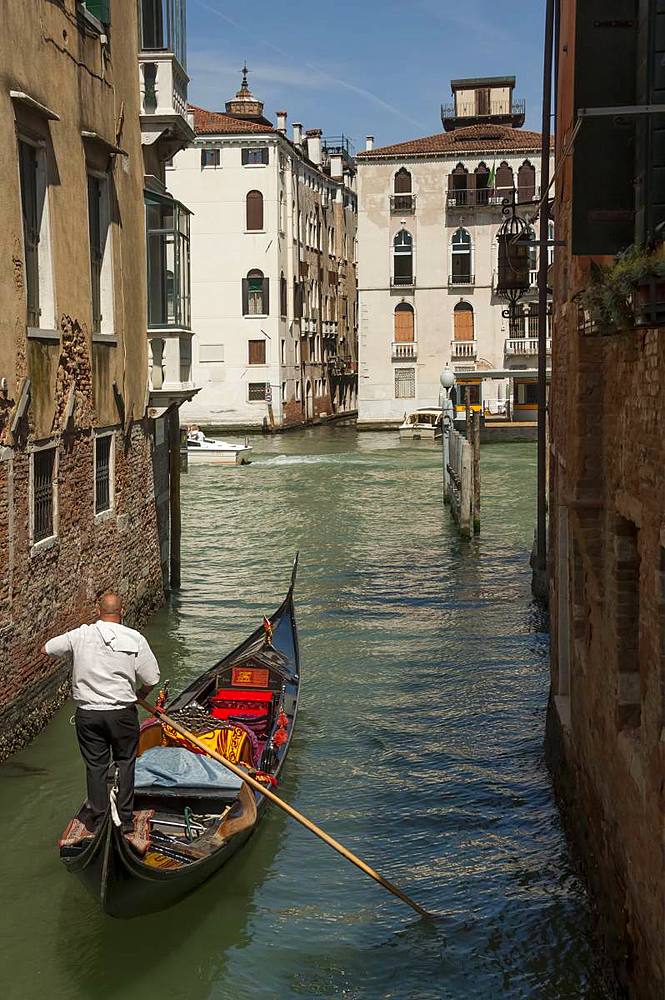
(51,588)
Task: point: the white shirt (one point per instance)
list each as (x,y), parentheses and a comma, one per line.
(110,662)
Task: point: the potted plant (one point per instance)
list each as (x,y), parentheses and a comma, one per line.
(629,293)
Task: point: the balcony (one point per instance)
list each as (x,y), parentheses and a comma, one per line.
(455,280)
(170,368)
(462,198)
(404,351)
(501,112)
(402,204)
(403,281)
(163,101)
(522,347)
(466,350)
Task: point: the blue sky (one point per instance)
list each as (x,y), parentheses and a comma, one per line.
(377,67)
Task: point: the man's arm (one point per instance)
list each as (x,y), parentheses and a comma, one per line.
(147,669)
(59,645)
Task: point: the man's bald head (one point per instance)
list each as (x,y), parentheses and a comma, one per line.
(110,607)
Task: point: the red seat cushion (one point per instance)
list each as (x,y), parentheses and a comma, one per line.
(225,695)
(224,712)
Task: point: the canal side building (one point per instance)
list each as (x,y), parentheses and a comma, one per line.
(273,268)
(429,212)
(606,724)
(79,452)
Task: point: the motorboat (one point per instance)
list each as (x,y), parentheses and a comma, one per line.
(423,424)
(204,449)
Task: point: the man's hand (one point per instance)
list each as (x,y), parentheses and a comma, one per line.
(144,691)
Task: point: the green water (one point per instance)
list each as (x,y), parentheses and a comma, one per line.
(419,745)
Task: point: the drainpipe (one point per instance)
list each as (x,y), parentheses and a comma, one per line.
(540,574)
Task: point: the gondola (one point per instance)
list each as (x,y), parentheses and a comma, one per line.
(192,814)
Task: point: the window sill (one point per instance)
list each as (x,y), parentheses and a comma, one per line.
(256,316)
(43,545)
(254,232)
(255,166)
(90,19)
(104,515)
(257,364)
(39,333)
(105,338)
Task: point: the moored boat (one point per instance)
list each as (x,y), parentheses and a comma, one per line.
(204,449)
(192,814)
(423,424)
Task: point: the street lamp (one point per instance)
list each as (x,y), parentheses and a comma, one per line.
(447,382)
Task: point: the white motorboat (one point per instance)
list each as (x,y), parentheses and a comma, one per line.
(204,449)
(424,424)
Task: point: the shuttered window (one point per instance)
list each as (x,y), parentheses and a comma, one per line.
(463,325)
(31,226)
(405,383)
(526,182)
(404,327)
(210,157)
(257,352)
(255,294)
(254,209)
(254,155)
(504,181)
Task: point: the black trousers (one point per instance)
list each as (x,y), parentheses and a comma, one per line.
(100,735)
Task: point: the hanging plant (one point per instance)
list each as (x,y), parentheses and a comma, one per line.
(628,293)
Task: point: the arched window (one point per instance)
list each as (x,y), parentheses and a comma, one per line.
(461,253)
(463,321)
(526,182)
(254,207)
(404,325)
(403,258)
(550,238)
(533,255)
(255,294)
(403,200)
(482,184)
(458,185)
(505,180)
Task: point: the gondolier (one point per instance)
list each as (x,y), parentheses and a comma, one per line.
(112,666)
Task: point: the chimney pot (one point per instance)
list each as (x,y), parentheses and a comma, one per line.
(369,143)
(297,133)
(314,150)
(281,121)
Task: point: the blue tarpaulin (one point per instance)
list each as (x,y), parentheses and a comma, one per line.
(169,767)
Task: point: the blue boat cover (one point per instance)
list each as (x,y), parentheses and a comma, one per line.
(170,767)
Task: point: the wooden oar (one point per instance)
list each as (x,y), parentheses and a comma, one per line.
(312,827)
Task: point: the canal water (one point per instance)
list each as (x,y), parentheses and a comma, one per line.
(419,745)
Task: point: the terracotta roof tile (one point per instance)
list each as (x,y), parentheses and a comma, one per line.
(482,138)
(219,123)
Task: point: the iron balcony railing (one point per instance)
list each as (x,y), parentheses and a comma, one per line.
(461,279)
(402,203)
(403,280)
(474,197)
(474,109)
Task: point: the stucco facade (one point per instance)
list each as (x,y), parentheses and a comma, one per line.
(273,278)
(409,198)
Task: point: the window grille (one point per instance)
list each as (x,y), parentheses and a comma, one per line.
(257,392)
(42,494)
(103,473)
(31,225)
(405,383)
(254,154)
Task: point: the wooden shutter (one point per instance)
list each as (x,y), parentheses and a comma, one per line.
(402,182)
(526,183)
(483,101)
(257,352)
(266,296)
(245,297)
(255,210)
(404,326)
(504,180)
(464,324)
(604,154)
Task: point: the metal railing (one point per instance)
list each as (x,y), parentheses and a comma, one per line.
(473,197)
(463,348)
(461,279)
(472,109)
(403,280)
(404,350)
(405,203)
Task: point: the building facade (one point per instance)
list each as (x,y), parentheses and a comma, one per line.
(606,724)
(429,212)
(273,272)
(77,476)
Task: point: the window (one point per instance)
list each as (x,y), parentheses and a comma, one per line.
(463,321)
(505,180)
(403,199)
(254,156)
(101,268)
(43,494)
(284,393)
(461,272)
(167,227)
(404,326)
(257,352)
(40,308)
(256,392)
(458,185)
(483,101)
(296,352)
(627,583)
(403,258)
(254,210)
(526,394)
(210,157)
(405,383)
(482,176)
(163,26)
(283,303)
(99,9)
(255,294)
(526,182)
(103,473)
(297,393)
(282,351)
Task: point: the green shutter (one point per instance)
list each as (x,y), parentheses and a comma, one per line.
(100,9)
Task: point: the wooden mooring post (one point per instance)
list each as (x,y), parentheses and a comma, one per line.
(464,474)
(476,473)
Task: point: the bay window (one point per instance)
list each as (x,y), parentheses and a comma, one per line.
(167,229)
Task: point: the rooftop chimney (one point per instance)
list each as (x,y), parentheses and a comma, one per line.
(297,133)
(314,145)
(369,143)
(281,122)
